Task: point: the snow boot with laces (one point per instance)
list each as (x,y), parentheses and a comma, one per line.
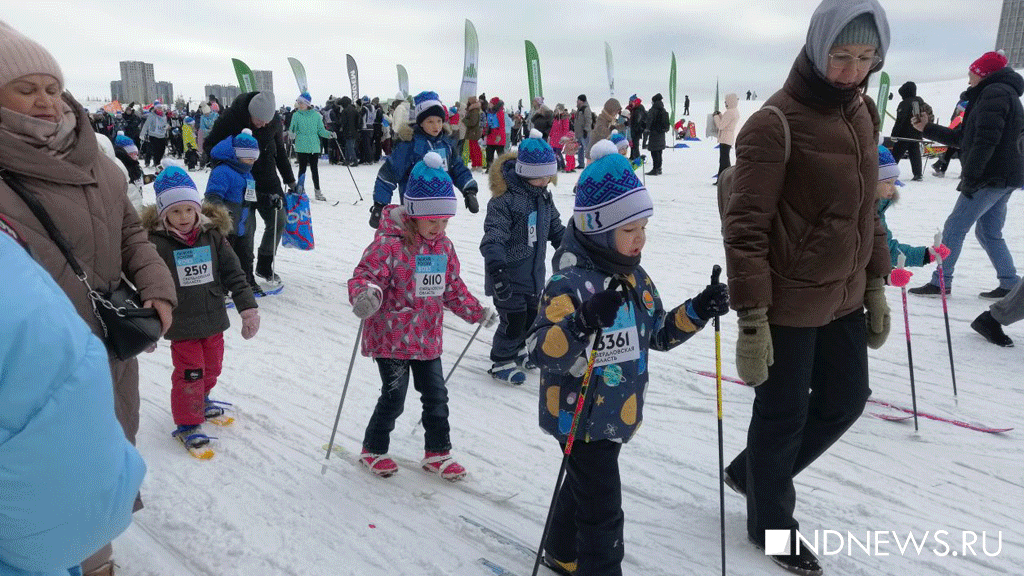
(509,372)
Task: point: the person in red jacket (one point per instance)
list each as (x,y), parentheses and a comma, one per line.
(495,129)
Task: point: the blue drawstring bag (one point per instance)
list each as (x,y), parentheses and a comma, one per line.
(298,229)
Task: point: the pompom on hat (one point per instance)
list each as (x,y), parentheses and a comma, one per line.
(988,63)
(245,145)
(22,56)
(126,143)
(428,104)
(603,148)
(305,98)
(173,186)
(608,194)
(536,159)
(430,193)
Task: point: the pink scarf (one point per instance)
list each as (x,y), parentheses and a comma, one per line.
(56,139)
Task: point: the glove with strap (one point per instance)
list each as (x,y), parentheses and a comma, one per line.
(712,301)
(754,353)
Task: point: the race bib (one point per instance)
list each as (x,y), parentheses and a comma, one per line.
(250,190)
(195,266)
(619,343)
(532,223)
(431,274)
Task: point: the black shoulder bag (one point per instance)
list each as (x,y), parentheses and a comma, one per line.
(128,328)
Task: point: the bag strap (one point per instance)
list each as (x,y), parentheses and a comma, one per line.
(44,218)
(785,126)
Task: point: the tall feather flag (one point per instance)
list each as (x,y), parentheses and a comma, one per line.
(246,79)
(469,67)
(353,76)
(403,81)
(672,89)
(611,68)
(300,74)
(533,71)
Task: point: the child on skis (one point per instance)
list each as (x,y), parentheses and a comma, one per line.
(888,175)
(570,147)
(428,135)
(232,186)
(599,290)
(521,220)
(405,279)
(191,240)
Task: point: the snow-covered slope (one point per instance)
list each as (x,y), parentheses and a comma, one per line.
(261,506)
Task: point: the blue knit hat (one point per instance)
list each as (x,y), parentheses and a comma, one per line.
(246,146)
(428,104)
(174,185)
(430,193)
(619,140)
(609,195)
(125,143)
(887,165)
(536,159)
(305,97)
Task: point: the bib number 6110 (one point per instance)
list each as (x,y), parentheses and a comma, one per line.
(433,279)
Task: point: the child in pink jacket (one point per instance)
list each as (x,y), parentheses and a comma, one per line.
(407,276)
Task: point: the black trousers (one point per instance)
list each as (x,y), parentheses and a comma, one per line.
(723,157)
(310,159)
(656,157)
(492,151)
(243,245)
(156,149)
(634,149)
(816,390)
(516,317)
(587,524)
(365,146)
(914,150)
(429,382)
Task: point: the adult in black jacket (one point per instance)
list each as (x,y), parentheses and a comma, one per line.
(657,125)
(637,126)
(348,128)
(132,124)
(992,168)
(904,129)
(255,110)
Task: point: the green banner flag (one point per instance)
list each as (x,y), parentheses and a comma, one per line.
(533,71)
(717,109)
(469,66)
(883,97)
(611,68)
(672,90)
(246,80)
(403,81)
(300,74)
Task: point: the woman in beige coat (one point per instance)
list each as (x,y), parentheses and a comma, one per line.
(727,123)
(605,123)
(47,145)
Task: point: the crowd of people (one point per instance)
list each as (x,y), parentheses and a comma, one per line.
(807,313)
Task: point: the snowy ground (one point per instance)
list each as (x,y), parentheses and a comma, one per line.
(261,506)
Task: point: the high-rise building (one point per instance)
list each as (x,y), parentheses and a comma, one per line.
(117,91)
(225,94)
(165,92)
(264,80)
(1011,32)
(137,82)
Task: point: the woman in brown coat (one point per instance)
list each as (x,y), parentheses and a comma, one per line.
(806,255)
(48,146)
(473,132)
(605,123)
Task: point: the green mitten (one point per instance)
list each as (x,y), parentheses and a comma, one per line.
(877,317)
(754,352)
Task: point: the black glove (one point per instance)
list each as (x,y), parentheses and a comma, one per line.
(713,301)
(277,202)
(502,284)
(600,311)
(375,214)
(471,204)
(292,188)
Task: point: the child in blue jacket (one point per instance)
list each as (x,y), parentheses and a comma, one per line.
(231,185)
(428,135)
(599,289)
(521,220)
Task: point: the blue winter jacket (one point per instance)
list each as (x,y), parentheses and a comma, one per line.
(521,219)
(396,169)
(68,476)
(560,349)
(228,183)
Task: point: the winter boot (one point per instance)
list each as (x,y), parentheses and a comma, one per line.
(441,463)
(265,267)
(257,290)
(991,329)
(995,294)
(508,372)
(559,567)
(930,289)
(319,195)
(803,563)
(191,436)
(731,483)
(378,464)
(525,363)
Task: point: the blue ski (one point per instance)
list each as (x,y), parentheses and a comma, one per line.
(496,569)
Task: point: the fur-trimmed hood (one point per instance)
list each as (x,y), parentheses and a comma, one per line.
(406,130)
(496,178)
(211,217)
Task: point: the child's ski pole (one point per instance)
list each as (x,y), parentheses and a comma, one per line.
(901,277)
(337,417)
(715,273)
(945,309)
(349,172)
(583,399)
(452,370)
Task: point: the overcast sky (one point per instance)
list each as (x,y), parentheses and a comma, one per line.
(745,44)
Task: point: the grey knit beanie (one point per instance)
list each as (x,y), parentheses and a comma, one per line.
(261,107)
(21,56)
(860,30)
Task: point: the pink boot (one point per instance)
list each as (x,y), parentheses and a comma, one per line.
(441,463)
(378,464)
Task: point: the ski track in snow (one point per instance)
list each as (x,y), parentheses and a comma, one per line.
(261,505)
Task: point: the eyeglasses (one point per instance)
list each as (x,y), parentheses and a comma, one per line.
(839,61)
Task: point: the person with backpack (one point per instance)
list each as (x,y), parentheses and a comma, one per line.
(911,104)
(806,254)
(637,125)
(658,124)
(992,163)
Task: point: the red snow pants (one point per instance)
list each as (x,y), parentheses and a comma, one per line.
(476,157)
(570,162)
(197,364)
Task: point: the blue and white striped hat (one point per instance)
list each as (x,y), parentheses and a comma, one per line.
(125,143)
(609,194)
(174,185)
(245,145)
(536,159)
(430,193)
(428,104)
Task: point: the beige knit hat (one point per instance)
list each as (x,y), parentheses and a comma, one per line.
(21,56)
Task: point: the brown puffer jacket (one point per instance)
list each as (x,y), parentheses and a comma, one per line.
(802,238)
(605,123)
(85,197)
(472,119)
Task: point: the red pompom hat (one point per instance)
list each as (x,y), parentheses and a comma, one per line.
(988,63)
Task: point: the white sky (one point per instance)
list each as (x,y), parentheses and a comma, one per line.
(746,44)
